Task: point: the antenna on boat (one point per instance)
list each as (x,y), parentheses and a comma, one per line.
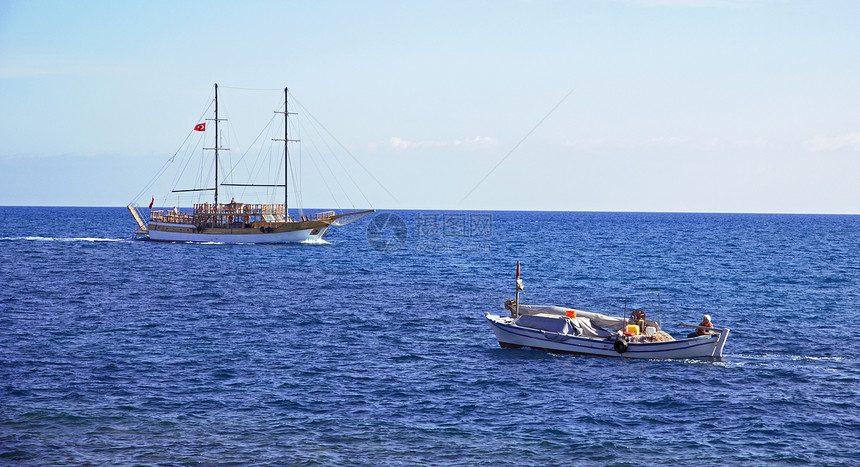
(519,287)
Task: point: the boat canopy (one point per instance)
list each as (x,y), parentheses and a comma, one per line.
(579,326)
(596,320)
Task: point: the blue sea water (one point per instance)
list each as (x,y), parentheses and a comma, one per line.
(375,351)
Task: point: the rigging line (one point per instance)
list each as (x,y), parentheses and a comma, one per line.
(202,173)
(275,174)
(266,128)
(296,167)
(251,89)
(171,159)
(319,172)
(337,159)
(295,192)
(188,150)
(516,146)
(305,109)
(187,157)
(301,196)
(258,165)
(230,134)
(333,176)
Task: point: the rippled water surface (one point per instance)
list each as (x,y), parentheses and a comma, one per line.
(115,351)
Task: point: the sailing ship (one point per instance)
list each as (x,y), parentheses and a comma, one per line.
(237,222)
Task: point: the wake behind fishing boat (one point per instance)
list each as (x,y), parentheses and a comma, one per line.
(237,222)
(567,330)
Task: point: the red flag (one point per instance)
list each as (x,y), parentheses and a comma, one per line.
(518,269)
(150,203)
(200,127)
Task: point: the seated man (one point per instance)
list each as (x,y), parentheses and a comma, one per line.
(706,321)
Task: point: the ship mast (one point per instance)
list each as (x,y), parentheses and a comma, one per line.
(216,148)
(287,142)
(286,159)
(216,145)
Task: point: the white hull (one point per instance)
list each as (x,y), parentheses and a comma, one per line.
(511,335)
(293,236)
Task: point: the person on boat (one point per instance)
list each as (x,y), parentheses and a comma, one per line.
(511,305)
(638,317)
(706,321)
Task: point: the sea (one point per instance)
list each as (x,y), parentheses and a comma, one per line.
(372,348)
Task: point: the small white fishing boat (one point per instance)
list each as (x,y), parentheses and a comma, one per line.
(567,330)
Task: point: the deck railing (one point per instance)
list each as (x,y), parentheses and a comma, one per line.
(250,215)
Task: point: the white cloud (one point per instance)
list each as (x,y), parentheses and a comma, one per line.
(396,143)
(477,141)
(399,144)
(834,143)
(666,142)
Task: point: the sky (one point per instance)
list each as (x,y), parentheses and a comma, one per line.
(614,105)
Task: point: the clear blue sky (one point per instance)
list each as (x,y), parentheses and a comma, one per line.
(677,105)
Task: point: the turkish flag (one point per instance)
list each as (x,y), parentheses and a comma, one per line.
(150,203)
(200,127)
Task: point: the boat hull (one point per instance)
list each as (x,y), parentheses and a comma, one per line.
(512,336)
(190,234)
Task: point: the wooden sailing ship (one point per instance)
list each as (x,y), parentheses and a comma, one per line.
(237,222)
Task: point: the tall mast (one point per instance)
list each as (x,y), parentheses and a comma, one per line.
(216,146)
(286,158)
(287,142)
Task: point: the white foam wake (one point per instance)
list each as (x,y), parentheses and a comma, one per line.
(317,241)
(62,239)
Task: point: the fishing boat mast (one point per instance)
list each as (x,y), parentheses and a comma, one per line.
(519,286)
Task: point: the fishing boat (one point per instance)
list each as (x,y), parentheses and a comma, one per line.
(568,330)
(237,222)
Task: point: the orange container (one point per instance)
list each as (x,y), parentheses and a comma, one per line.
(571,313)
(633,329)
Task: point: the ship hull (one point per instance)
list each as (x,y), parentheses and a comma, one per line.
(188,233)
